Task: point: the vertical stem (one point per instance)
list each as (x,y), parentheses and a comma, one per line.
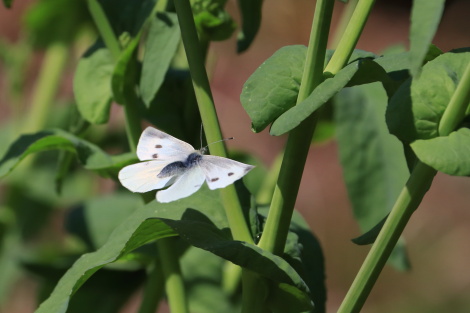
(298,143)
(407,202)
(153,290)
(47,85)
(350,37)
(174,284)
(208,113)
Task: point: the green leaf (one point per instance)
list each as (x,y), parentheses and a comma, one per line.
(160,46)
(284,298)
(272,89)
(425,18)
(92,84)
(124,77)
(415,110)
(449,154)
(195,225)
(356,73)
(89,155)
(251,20)
(373,162)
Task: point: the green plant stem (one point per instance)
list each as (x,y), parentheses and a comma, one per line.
(459,103)
(285,193)
(407,202)
(153,290)
(48,82)
(350,37)
(104,28)
(174,284)
(208,113)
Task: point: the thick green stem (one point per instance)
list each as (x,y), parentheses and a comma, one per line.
(407,202)
(208,113)
(47,85)
(350,37)
(285,193)
(174,284)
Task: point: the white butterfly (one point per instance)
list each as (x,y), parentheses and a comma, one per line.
(170,161)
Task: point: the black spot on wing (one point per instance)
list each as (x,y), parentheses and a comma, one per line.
(214,179)
(230,174)
(158,146)
(155,155)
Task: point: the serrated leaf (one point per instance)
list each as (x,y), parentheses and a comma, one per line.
(356,73)
(449,154)
(373,162)
(160,47)
(92,84)
(251,20)
(89,155)
(425,18)
(272,89)
(415,110)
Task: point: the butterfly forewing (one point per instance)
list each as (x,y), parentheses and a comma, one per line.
(221,172)
(142,177)
(157,145)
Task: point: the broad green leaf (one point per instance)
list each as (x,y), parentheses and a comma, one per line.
(206,236)
(373,162)
(251,20)
(425,18)
(284,298)
(414,112)
(160,46)
(124,77)
(272,89)
(92,84)
(356,73)
(195,225)
(448,154)
(89,155)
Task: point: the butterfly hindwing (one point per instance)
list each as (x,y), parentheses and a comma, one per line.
(142,177)
(157,145)
(221,172)
(184,186)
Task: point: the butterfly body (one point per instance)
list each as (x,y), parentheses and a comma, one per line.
(171,162)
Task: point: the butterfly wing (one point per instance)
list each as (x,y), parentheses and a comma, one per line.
(221,172)
(157,145)
(142,177)
(185,185)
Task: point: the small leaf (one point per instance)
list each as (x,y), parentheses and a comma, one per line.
(7,3)
(373,162)
(92,84)
(124,78)
(273,88)
(90,155)
(251,20)
(415,110)
(425,18)
(449,154)
(160,47)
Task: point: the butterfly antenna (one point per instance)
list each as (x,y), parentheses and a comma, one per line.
(201,136)
(204,149)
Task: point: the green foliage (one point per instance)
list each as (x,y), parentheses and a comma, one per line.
(162,40)
(92,84)
(251,20)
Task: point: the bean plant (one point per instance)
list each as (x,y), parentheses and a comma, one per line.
(400,117)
